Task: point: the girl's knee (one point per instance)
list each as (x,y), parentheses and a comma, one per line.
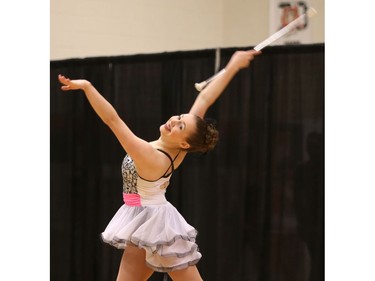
(190,273)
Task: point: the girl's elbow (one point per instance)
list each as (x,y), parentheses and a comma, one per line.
(111,121)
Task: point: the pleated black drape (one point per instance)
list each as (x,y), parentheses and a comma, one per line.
(257,200)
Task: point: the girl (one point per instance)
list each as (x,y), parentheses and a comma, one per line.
(153,234)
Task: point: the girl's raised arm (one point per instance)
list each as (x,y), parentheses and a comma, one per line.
(239,60)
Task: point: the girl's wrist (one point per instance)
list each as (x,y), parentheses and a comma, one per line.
(86,85)
(232,68)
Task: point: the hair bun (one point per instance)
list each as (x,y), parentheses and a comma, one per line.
(212,136)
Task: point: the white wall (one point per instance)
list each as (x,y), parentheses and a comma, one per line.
(245,23)
(90,28)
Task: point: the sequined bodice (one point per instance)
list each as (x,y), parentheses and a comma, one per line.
(129,175)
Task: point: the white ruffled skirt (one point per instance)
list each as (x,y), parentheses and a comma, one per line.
(161,230)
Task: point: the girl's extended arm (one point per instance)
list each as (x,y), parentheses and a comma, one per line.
(239,60)
(137,148)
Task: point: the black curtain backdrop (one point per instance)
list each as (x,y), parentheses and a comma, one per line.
(257,200)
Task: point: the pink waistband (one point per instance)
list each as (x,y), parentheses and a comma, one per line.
(132,199)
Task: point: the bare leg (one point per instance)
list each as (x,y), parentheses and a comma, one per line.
(188,274)
(133,265)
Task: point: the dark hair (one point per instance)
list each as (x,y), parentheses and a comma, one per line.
(205,137)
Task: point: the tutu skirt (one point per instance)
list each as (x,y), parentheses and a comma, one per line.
(169,241)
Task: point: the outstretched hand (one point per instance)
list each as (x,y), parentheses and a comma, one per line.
(68,84)
(242,59)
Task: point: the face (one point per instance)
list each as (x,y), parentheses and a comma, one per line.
(178,128)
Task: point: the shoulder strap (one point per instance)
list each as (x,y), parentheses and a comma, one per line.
(172,163)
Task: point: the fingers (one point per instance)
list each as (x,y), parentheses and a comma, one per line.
(253,53)
(62,78)
(65,81)
(249,54)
